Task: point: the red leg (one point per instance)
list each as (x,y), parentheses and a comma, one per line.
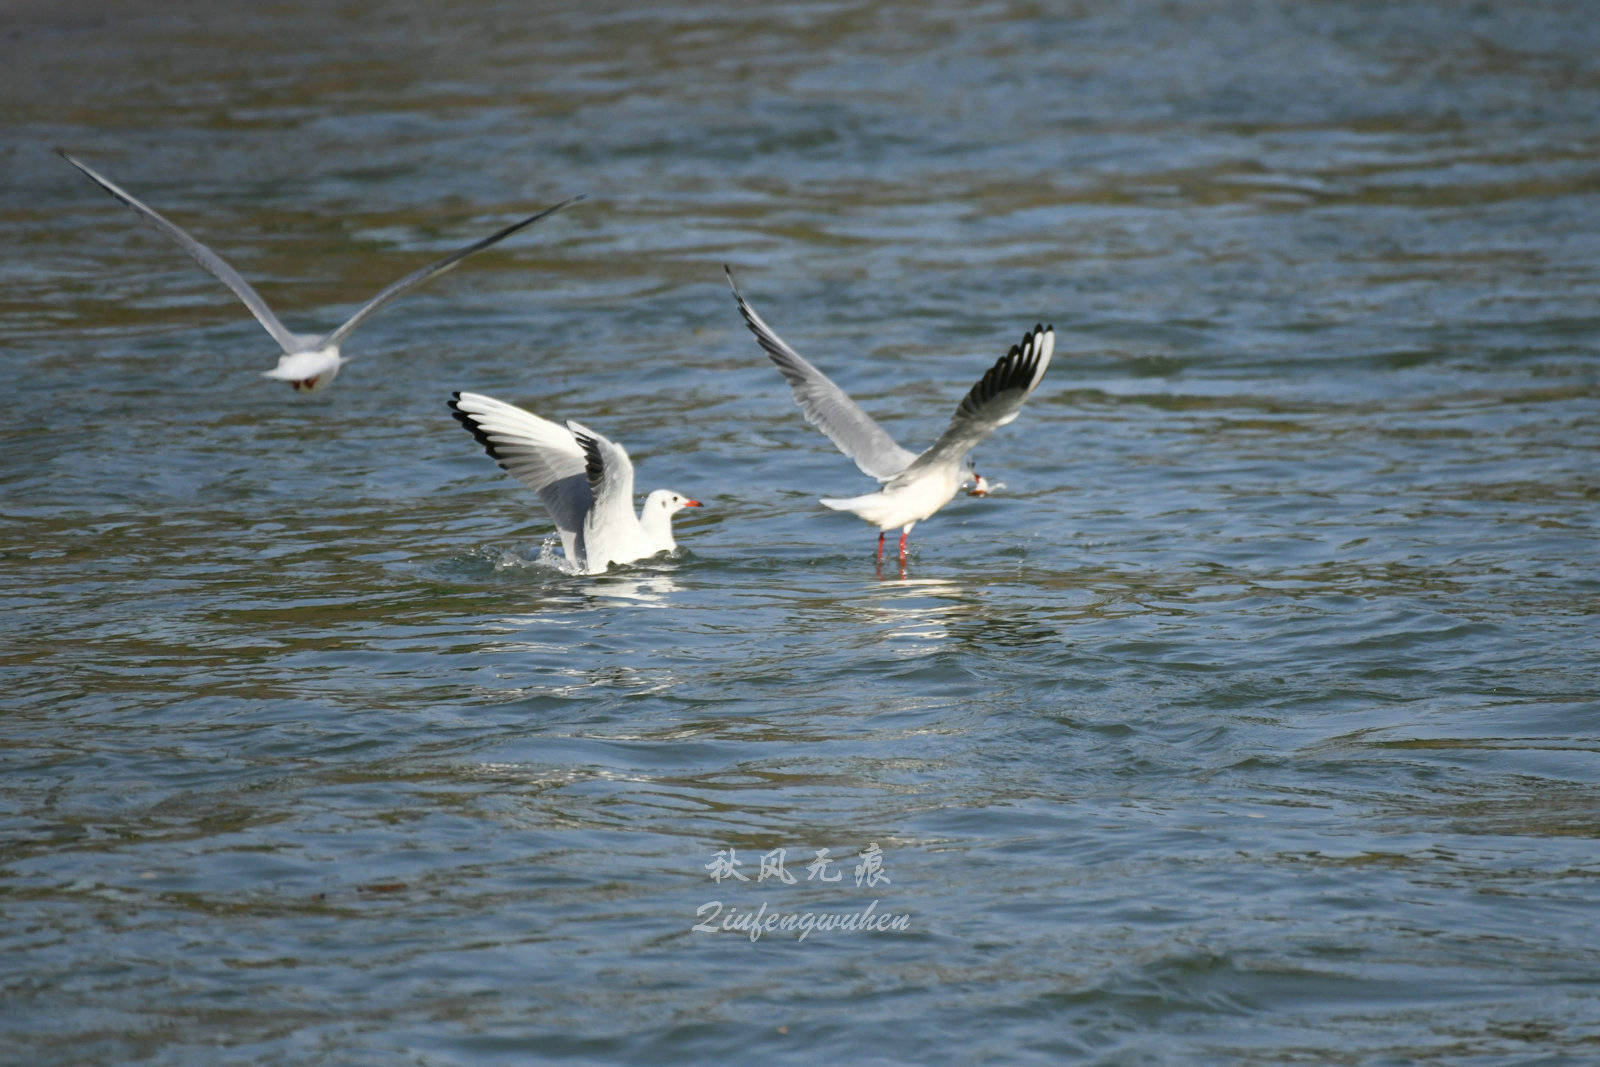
(903,534)
(880,546)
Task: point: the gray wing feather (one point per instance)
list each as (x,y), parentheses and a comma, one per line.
(994,400)
(825,405)
(538,453)
(438,267)
(208,259)
(611,523)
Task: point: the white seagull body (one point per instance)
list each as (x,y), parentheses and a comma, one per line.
(309,361)
(914,487)
(585,481)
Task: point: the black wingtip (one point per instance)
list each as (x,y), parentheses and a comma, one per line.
(1015,370)
(472,427)
(594,465)
(745,311)
(1031,341)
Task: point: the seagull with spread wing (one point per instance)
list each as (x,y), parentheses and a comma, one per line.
(309,361)
(914,487)
(585,481)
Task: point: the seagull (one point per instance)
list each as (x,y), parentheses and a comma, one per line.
(914,487)
(585,481)
(309,362)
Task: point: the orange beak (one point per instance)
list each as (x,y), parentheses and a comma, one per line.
(693,504)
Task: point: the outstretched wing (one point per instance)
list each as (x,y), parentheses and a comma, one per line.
(202,255)
(994,400)
(611,527)
(825,405)
(538,453)
(438,267)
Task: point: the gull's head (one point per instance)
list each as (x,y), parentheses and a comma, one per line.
(307,371)
(982,486)
(668,503)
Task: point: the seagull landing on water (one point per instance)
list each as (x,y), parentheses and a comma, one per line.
(914,487)
(309,362)
(585,481)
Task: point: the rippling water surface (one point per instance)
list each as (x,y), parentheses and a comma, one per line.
(1255,720)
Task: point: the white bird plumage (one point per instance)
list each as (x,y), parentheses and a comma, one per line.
(309,361)
(914,487)
(584,479)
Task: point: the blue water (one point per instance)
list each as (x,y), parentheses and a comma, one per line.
(1253,721)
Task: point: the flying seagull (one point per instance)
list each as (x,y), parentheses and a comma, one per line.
(585,481)
(914,487)
(309,362)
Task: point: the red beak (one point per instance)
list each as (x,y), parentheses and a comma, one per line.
(693,504)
